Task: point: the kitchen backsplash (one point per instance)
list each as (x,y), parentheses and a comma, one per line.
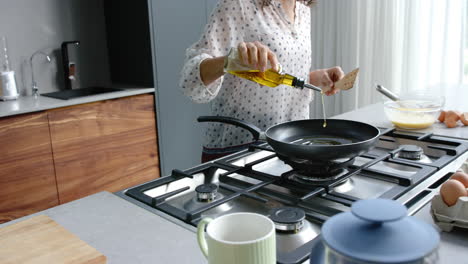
(32,25)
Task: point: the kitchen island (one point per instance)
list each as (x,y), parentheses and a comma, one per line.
(127,233)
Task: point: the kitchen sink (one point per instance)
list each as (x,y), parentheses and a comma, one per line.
(81,92)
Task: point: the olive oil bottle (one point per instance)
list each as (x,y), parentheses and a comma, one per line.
(270,77)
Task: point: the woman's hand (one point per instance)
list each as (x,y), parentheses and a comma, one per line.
(256,55)
(252,54)
(326,79)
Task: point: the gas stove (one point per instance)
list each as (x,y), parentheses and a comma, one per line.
(404,166)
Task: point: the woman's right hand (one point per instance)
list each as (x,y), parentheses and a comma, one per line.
(256,56)
(326,79)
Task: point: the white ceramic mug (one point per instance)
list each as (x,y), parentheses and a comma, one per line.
(238,238)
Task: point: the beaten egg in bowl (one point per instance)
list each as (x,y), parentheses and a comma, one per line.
(412,114)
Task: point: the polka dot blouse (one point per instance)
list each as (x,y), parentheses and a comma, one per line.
(234,21)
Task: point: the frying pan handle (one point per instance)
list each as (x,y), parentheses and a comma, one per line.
(255,131)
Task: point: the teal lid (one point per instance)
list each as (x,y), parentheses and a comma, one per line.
(379,230)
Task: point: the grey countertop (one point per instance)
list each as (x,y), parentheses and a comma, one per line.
(28,104)
(453,246)
(126,233)
(123,232)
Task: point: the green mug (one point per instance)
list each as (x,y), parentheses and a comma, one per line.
(238,238)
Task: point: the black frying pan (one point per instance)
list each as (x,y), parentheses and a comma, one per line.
(309,140)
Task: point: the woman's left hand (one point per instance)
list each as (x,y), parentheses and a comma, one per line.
(326,79)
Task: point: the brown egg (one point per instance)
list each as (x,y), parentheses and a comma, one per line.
(464,118)
(451,118)
(451,190)
(461,177)
(442,116)
(450,123)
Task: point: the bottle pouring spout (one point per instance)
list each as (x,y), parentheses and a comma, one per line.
(313,87)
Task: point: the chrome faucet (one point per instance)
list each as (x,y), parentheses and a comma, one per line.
(35,88)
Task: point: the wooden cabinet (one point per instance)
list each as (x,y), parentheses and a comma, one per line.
(60,155)
(108,145)
(27,178)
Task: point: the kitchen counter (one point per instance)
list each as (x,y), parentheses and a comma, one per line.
(126,233)
(453,246)
(374,114)
(28,104)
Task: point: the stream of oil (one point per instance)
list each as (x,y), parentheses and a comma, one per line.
(324,115)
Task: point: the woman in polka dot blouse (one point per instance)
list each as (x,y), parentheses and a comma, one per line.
(264,31)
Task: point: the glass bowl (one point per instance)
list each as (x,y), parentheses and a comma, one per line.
(413,113)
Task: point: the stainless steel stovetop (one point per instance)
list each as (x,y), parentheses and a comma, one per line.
(404,166)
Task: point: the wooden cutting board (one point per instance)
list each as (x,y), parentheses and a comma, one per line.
(41,240)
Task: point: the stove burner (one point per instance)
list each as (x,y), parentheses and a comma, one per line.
(307,183)
(312,179)
(318,170)
(194,204)
(206,192)
(411,152)
(288,218)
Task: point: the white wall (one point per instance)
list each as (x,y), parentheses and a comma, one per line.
(30,25)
